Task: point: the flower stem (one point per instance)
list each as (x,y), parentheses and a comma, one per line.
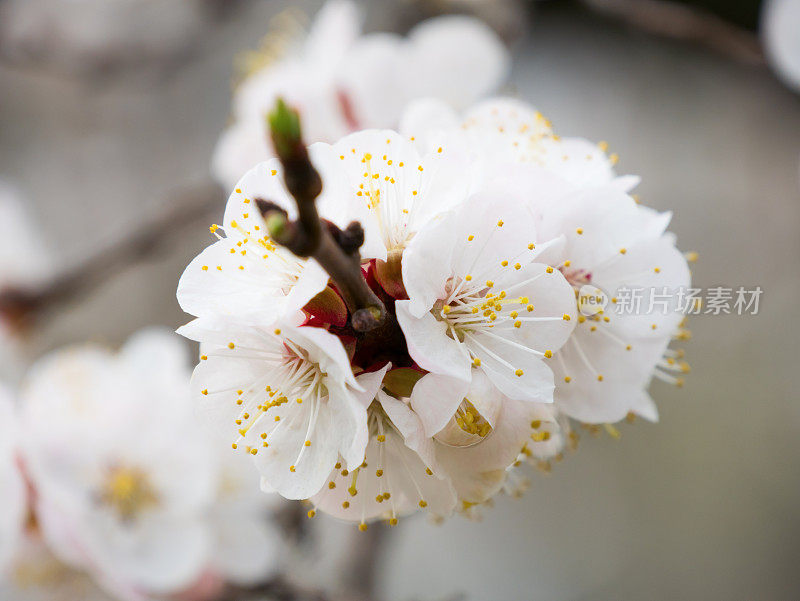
(334,249)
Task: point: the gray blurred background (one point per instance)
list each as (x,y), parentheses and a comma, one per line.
(704,505)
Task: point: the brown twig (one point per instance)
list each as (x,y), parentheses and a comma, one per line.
(22,307)
(365,557)
(690,23)
(277,589)
(334,249)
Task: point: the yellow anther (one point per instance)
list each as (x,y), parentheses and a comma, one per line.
(423,503)
(566,317)
(489,283)
(476,362)
(504,263)
(311,513)
(548,353)
(622,251)
(379,473)
(518,373)
(579,231)
(549,269)
(362,527)
(567,379)
(531,246)
(500,223)
(231,345)
(307,443)
(381,438)
(234,446)
(599,377)
(277,331)
(291,468)
(345,504)
(204,391)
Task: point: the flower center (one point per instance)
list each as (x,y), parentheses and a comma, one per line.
(128,491)
(470,308)
(466,428)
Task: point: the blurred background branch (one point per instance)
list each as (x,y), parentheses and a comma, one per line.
(686,22)
(144,241)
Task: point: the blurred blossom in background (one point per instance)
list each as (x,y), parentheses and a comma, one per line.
(125,125)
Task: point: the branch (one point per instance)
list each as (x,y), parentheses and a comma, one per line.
(334,249)
(670,19)
(361,575)
(21,306)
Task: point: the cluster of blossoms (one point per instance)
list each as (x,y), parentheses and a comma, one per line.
(111,494)
(341,81)
(479,233)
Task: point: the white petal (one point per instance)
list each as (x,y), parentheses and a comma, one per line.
(334,29)
(435,399)
(479,471)
(404,478)
(455,58)
(430,346)
(426,119)
(500,362)
(326,350)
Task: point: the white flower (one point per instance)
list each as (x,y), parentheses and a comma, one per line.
(610,242)
(376,177)
(613,244)
(485,437)
(122,475)
(341,82)
(395,477)
(501,132)
(244,273)
(405,469)
(286,394)
(779,24)
(12,487)
(485,304)
(393,190)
